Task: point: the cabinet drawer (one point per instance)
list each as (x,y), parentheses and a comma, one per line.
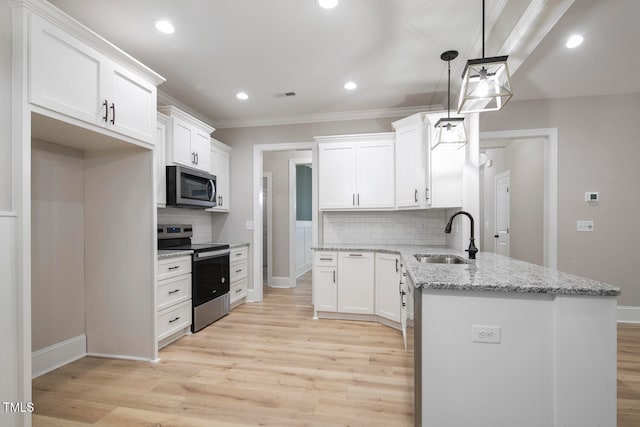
(173,319)
(238,290)
(238,270)
(174,290)
(325,259)
(172,267)
(238,254)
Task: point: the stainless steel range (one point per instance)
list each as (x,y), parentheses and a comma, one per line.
(209,273)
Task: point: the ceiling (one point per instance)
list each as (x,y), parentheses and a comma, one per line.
(390,48)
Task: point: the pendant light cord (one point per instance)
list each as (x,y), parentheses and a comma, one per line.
(449,90)
(483,29)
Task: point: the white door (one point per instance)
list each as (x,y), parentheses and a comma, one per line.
(182,135)
(375,174)
(355,282)
(223,179)
(336,175)
(502,213)
(408,190)
(201,146)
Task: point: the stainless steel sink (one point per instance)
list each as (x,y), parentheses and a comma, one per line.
(441,259)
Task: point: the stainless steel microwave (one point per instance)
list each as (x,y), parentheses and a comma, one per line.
(190,188)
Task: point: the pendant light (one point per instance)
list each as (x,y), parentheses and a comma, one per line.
(450,132)
(486,85)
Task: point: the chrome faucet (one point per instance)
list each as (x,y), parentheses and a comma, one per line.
(472,246)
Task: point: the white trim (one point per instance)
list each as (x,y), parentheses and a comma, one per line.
(57,355)
(121,357)
(164,99)
(293,271)
(495,208)
(8,214)
(282,282)
(269,177)
(550,221)
(327,117)
(628,314)
(255,293)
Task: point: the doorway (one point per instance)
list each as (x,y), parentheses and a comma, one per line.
(267,221)
(502,197)
(283,270)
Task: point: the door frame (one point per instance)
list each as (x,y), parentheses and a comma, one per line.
(550,196)
(255,293)
(495,209)
(269,177)
(292,213)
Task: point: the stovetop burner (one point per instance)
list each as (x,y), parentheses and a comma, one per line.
(178,237)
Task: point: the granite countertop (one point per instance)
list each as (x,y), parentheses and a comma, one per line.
(171,253)
(489,272)
(238,244)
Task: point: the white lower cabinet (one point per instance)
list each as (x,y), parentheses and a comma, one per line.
(355,282)
(387,291)
(325,281)
(238,273)
(173,299)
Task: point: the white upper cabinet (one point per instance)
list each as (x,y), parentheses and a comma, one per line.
(188,140)
(412,162)
(356,171)
(72,80)
(220,159)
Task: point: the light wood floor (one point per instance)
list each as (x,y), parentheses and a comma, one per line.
(263,364)
(267,364)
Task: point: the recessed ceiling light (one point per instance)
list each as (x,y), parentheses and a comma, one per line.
(165,27)
(242,95)
(574,41)
(350,85)
(327,4)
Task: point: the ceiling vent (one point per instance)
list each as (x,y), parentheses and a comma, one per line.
(285,94)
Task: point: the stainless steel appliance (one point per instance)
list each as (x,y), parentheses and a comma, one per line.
(209,273)
(190,188)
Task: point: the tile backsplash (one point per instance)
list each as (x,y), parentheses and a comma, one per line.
(201,220)
(395,228)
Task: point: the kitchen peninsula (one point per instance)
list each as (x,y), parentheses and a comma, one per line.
(501,342)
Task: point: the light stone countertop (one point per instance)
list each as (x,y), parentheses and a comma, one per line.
(172,253)
(489,272)
(238,245)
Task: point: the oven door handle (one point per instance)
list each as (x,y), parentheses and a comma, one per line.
(200,256)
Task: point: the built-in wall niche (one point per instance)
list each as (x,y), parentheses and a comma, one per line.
(93,246)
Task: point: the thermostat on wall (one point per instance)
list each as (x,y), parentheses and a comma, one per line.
(591,196)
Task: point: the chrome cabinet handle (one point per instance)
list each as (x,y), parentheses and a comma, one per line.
(174,320)
(238,290)
(106,111)
(239,271)
(174,268)
(358,199)
(353,199)
(174,291)
(326,259)
(426,194)
(355,254)
(334,276)
(415,194)
(113,113)
(396,265)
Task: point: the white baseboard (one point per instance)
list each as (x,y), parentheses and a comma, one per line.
(57,355)
(628,314)
(302,269)
(282,282)
(120,356)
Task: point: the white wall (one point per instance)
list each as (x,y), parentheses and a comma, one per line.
(57,241)
(277,163)
(525,161)
(5,106)
(597,151)
(421,227)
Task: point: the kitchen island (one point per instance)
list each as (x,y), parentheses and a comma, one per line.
(501,342)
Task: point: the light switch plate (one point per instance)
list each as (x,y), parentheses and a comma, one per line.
(583,225)
(249,225)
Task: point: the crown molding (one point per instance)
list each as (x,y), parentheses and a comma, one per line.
(327,117)
(166,100)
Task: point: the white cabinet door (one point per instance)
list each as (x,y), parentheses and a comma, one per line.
(387,286)
(66,76)
(132,104)
(407,160)
(337,176)
(201,147)
(159,160)
(375,174)
(219,162)
(182,135)
(355,282)
(446,178)
(325,289)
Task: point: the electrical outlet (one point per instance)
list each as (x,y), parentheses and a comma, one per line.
(582,225)
(486,334)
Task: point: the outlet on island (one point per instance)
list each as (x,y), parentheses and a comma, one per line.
(486,334)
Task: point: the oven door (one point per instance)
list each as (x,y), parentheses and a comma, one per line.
(210,275)
(189,187)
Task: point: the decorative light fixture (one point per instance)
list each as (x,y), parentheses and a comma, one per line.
(450,132)
(486,85)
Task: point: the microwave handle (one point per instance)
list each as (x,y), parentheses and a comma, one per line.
(211,185)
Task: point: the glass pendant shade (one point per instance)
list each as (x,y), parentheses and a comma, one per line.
(486,85)
(450,133)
